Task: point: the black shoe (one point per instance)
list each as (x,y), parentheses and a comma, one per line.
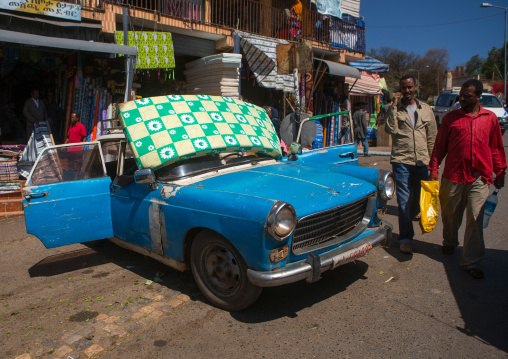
(448,250)
(406,248)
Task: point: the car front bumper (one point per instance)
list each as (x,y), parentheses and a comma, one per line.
(314,265)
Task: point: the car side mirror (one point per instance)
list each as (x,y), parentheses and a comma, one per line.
(146,176)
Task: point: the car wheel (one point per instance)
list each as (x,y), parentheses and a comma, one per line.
(503,131)
(221,273)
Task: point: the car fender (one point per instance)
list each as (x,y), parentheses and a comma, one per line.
(241,219)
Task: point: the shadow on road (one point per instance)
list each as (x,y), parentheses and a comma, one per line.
(284,301)
(482,302)
(288,300)
(107,252)
(66,262)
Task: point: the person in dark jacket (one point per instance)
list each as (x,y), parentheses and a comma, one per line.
(360,129)
(34,111)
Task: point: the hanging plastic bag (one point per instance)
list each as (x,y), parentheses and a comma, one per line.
(429,205)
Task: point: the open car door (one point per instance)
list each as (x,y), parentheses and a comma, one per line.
(67,196)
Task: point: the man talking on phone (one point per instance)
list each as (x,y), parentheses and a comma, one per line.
(413,129)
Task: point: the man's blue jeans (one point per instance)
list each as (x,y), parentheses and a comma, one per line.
(407,178)
(365,144)
(344,132)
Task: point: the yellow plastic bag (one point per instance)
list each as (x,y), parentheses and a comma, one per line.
(429,205)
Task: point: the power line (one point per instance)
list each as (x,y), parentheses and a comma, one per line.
(432,25)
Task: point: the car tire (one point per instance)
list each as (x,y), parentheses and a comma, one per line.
(503,131)
(221,273)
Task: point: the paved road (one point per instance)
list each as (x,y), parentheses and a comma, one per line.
(79,301)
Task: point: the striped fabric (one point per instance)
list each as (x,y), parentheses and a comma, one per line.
(39,140)
(261,55)
(367,85)
(370,64)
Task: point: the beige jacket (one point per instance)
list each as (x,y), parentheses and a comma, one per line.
(411,146)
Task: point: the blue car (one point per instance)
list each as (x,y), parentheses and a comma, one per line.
(239,221)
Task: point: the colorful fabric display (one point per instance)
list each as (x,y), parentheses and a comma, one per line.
(166,129)
(155,49)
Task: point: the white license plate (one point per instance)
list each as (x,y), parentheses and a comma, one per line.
(351,255)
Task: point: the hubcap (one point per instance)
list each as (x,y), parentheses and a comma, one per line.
(222,269)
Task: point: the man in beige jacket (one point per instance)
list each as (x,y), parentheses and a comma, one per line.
(413,128)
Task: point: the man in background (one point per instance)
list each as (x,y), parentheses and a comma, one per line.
(77,131)
(360,129)
(470,139)
(34,111)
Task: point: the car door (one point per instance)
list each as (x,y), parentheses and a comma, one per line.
(136,213)
(67,198)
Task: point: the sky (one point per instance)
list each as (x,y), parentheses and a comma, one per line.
(460,26)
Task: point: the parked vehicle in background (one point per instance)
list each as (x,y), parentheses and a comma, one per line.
(443,105)
(239,218)
(490,102)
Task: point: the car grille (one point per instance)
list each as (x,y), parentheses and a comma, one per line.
(321,227)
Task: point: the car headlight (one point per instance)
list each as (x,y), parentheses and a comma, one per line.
(281,220)
(386,185)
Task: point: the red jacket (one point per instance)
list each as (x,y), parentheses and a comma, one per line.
(472,145)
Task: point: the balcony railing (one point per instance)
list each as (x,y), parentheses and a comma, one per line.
(254,17)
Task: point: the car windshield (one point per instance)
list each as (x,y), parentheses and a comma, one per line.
(204,164)
(490,101)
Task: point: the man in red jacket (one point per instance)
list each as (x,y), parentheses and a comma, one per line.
(470,138)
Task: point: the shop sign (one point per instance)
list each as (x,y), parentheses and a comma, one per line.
(155,49)
(53,8)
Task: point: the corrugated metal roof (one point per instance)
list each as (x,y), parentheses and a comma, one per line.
(192,46)
(350,7)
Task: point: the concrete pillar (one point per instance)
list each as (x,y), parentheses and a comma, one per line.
(448,81)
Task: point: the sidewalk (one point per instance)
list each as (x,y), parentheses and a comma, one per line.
(380,151)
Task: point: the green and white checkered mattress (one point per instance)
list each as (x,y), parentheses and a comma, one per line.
(165,129)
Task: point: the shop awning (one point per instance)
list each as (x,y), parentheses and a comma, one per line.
(368,84)
(53,22)
(338,69)
(261,55)
(370,64)
(70,44)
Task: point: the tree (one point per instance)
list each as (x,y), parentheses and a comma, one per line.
(431,65)
(474,65)
(490,68)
